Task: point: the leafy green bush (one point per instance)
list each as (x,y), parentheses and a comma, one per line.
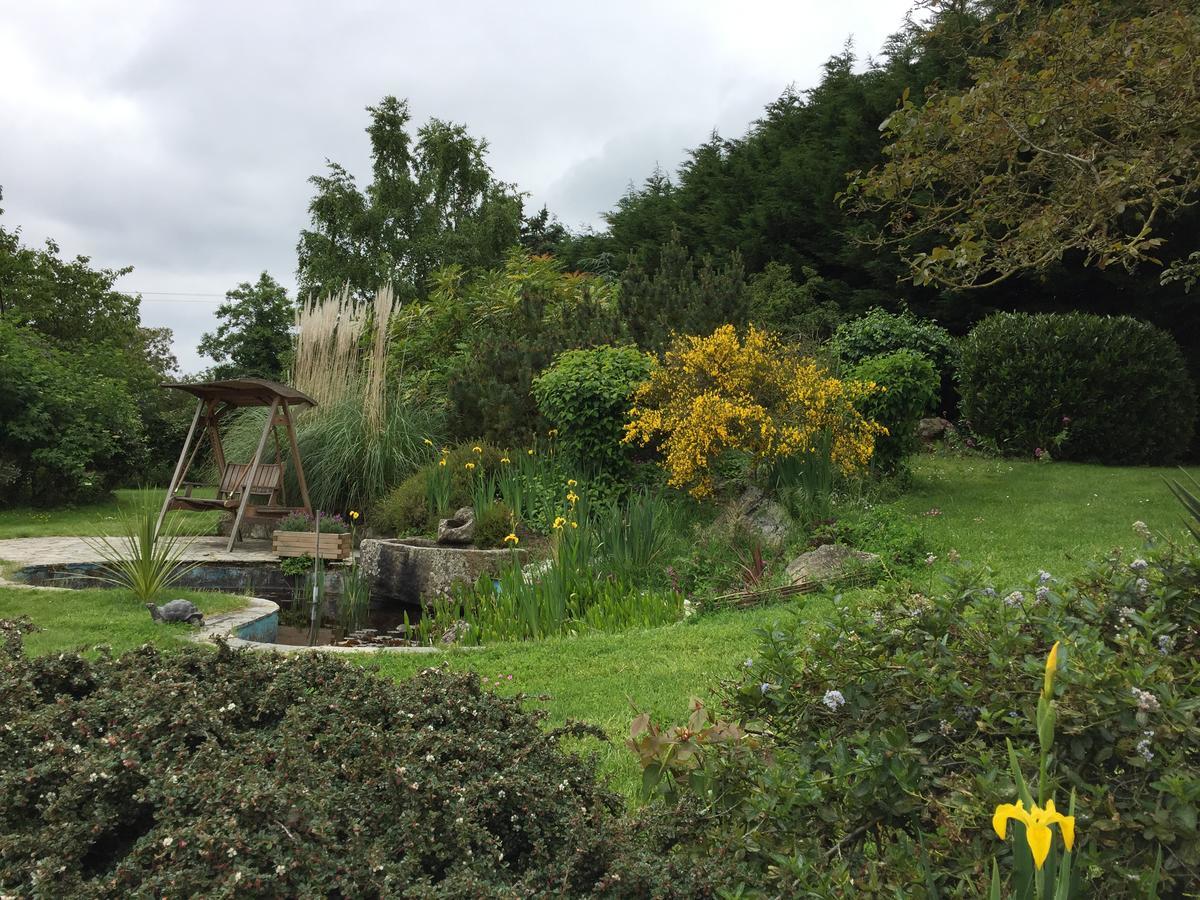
(1113,389)
(215,774)
(587,395)
(911,386)
(405,509)
(67,433)
(880,332)
(888,727)
(492,525)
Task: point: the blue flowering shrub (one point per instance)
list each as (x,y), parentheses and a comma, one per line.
(874,748)
(221,774)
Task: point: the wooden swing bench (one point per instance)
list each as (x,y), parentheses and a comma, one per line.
(237,483)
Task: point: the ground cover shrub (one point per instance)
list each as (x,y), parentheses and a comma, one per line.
(586,395)
(239,773)
(712,395)
(909,385)
(1085,387)
(877,529)
(887,731)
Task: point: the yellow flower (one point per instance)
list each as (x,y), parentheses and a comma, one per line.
(1051,667)
(442,462)
(477,449)
(470,467)
(511,538)
(428,442)
(574,524)
(505,460)
(572,498)
(559,522)
(571,482)
(1037,822)
(553,432)
(530,451)
(354,514)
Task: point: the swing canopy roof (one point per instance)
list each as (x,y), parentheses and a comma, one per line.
(245,392)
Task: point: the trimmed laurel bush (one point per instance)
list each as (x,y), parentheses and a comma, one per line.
(201,773)
(587,395)
(1086,387)
(888,723)
(911,386)
(880,332)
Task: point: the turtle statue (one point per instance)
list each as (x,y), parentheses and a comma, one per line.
(177,611)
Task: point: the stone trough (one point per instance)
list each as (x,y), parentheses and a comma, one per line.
(413,570)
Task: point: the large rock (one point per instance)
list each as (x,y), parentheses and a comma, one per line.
(458,529)
(934,429)
(761,515)
(828,563)
(414,570)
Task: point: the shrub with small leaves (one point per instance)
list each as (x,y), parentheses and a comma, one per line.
(232,773)
(887,728)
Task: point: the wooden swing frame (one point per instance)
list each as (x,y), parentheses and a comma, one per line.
(236,482)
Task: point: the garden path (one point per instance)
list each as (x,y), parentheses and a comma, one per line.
(51,551)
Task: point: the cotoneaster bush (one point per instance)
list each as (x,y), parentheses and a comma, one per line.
(1111,389)
(228,774)
(587,395)
(910,386)
(886,729)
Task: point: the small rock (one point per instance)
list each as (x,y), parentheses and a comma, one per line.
(456,632)
(458,529)
(934,429)
(766,517)
(827,562)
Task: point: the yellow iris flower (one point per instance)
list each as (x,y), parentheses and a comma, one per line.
(1037,822)
(1051,667)
(559,522)
(571,482)
(572,498)
(476,449)
(428,442)
(442,462)
(470,467)
(354,514)
(511,538)
(505,460)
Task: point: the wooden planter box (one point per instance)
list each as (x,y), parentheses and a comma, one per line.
(304,543)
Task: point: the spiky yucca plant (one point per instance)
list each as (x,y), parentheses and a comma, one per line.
(140,561)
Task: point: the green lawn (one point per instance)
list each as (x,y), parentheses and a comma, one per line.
(86,619)
(1017,517)
(98,518)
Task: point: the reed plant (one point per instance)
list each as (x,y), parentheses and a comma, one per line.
(144,560)
(803,482)
(636,535)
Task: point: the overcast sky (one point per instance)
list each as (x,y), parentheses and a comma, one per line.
(177,137)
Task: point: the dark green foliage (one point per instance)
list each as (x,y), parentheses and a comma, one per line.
(1112,389)
(896,538)
(932,688)
(254,336)
(909,387)
(805,311)
(67,433)
(680,295)
(215,774)
(491,384)
(432,202)
(586,395)
(405,509)
(72,307)
(492,525)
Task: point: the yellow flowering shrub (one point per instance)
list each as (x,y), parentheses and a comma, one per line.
(717,393)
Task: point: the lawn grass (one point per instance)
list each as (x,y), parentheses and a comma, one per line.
(86,619)
(1017,517)
(99,518)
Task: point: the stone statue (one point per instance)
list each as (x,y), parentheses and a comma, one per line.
(177,611)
